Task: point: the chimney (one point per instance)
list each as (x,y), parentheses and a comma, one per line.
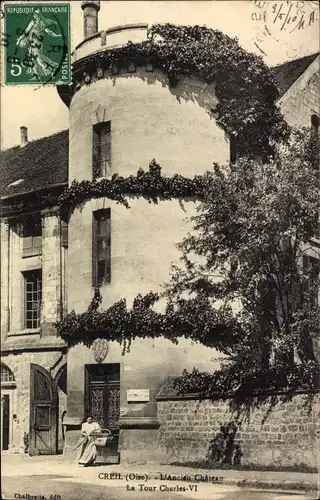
(90,17)
(24,136)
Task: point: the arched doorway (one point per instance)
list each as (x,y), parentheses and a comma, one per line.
(8,384)
(43,412)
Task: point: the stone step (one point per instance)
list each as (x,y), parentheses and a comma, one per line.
(113,459)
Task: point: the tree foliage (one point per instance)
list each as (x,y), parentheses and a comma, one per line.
(251,234)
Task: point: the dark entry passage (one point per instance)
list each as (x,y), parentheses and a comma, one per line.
(5,421)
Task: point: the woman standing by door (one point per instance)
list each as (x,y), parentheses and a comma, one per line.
(87,449)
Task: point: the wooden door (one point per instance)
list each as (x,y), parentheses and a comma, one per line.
(103,394)
(102,398)
(43,413)
(5,421)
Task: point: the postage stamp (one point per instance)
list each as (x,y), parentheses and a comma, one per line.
(36,43)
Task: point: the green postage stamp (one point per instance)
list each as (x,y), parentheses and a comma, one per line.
(37,43)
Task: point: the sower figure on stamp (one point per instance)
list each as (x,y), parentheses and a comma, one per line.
(32,38)
(87,451)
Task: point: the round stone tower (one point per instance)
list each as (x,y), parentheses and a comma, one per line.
(121,118)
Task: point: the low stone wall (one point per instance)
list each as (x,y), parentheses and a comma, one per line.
(288,437)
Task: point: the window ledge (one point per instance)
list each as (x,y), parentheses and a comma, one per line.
(101,285)
(8,385)
(30,331)
(31,253)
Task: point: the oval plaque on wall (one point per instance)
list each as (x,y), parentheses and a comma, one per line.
(100,348)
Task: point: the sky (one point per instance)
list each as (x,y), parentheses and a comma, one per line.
(268,28)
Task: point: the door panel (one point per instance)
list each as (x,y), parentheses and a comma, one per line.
(43,413)
(42,416)
(113,415)
(113,410)
(42,441)
(98,404)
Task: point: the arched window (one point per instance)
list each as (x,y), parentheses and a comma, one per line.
(6,374)
(315,123)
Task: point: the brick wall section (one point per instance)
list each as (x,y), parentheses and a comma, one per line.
(288,436)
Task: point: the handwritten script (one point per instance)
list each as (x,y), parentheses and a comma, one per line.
(286,16)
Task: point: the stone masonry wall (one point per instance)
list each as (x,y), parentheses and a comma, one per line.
(288,436)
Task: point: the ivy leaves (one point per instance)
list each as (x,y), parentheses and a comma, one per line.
(148,184)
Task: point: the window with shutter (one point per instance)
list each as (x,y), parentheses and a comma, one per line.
(101,247)
(32,236)
(101,150)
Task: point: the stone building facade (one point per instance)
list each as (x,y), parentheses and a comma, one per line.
(33,294)
(138,117)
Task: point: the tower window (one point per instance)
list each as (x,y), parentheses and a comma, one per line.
(32,298)
(101,247)
(101,150)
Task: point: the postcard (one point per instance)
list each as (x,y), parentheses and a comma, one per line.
(160,249)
